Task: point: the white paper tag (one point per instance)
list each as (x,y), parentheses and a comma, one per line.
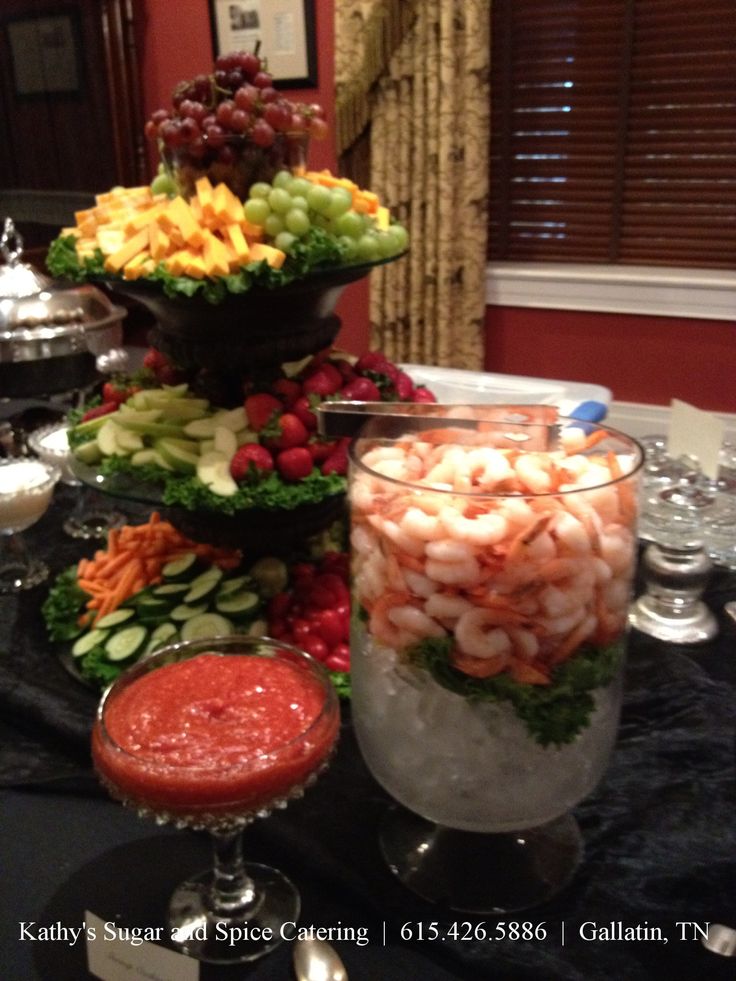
(695,433)
(113,954)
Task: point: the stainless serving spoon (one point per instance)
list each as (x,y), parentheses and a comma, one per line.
(316,960)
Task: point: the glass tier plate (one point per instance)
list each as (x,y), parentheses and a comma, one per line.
(259,530)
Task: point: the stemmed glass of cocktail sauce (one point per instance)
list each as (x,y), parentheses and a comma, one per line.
(211,734)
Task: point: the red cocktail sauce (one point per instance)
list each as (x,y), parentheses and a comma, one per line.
(214,733)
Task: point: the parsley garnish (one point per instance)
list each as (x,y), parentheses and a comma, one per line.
(553,714)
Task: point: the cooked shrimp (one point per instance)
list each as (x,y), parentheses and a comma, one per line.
(477,633)
(463,573)
(487,529)
(418,524)
(420,585)
(415,621)
(447,606)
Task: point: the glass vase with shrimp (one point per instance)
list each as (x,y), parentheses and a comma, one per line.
(492,568)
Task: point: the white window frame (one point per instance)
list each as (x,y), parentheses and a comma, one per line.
(703,294)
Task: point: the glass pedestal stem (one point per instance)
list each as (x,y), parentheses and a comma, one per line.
(233,892)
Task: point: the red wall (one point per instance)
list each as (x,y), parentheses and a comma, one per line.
(640,358)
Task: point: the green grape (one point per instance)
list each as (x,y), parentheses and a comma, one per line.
(282,179)
(257,210)
(297,222)
(367,246)
(273,225)
(341,200)
(400,234)
(299,202)
(350,223)
(318,198)
(284,241)
(298,187)
(259,190)
(349,247)
(163,184)
(387,244)
(279,200)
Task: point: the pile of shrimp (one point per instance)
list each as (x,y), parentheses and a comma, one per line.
(490,547)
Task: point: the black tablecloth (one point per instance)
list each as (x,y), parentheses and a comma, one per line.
(660,830)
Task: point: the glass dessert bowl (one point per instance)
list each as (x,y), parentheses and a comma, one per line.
(212,734)
(26,488)
(491,581)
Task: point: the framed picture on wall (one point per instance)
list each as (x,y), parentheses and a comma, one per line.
(45,54)
(283,31)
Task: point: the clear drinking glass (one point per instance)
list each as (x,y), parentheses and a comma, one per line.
(213,741)
(26,488)
(491,576)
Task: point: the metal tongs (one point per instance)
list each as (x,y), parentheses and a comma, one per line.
(531,427)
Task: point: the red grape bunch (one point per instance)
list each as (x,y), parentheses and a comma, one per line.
(238,100)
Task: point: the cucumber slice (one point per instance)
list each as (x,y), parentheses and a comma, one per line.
(183,612)
(239,605)
(170,591)
(228,586)
(126,643)
(180,568)
(165,633)
(115,618)
(204,585)
(88,641)
(152,609)
(206,625)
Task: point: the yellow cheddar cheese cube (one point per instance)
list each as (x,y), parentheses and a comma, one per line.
(253,233)
(216,259)
(273,256)
(178,215)
(143,217)
(110,240)
(116,261)
(383,218)
(205,194)
(160,242)
(236,239)
(195,266)
(138,266)
(226,206)
(176,262)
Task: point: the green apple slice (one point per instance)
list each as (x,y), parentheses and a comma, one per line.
(201,428)
(182,455)
(213,469)
(156,430)
(234,419)
(226,441)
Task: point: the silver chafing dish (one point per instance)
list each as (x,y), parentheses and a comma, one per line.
(52,338)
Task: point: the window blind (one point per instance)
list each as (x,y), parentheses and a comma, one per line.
(614,132)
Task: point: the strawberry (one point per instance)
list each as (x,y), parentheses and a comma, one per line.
(100,410)
(321,448)
(423,394)
(260,409)
(337,461)
(326,380)
(154,359)
(294,463)
(290,431)
(361,390)
(250,460)
(303,408)
(371,361)
(404,387)
(287,390)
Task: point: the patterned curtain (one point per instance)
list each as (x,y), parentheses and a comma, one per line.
(418,74)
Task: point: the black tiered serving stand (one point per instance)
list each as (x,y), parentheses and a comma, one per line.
(246,335)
